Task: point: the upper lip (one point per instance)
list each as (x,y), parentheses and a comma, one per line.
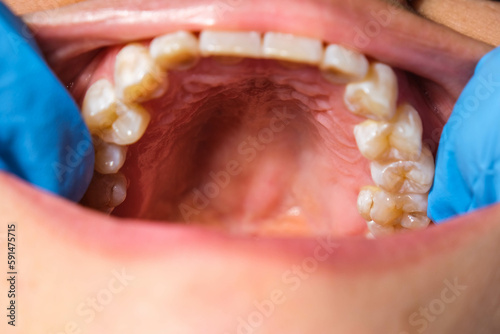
(449,62)
(435,52)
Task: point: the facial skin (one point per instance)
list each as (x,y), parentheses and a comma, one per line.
(82,272)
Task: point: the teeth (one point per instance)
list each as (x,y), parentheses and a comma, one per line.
(177,50)
(106,192)
(405,176)
(137,76)
(385,209)
(109,158)
(399,139)
(406,135)
(372,138)
(99,105)
(129,127)
(365,201)
(378,230)
(375,96)
(292,48)
(341,65)
(222,43)
(417,221)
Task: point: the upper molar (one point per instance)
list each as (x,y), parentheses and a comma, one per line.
(376,95)
(178,50)
(137,76)
(225,43)
(292,48)
(341,65)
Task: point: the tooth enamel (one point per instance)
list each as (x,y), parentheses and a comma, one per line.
(99,105)
(406,135)
(222,43)
(137,76)
(405,176)
(178,50)
(415,221)
(399,139)
(129,127)
(365,201)
(385,209)
(341,65)
(109,158)
(375,96)
(378,230)
(372,138)
(292,48)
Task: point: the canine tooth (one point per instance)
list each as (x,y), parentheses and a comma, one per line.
(378,230)
(109,158)
(99,105)
(341,65)
(178,50)
(137,76)
(376,95)
(415,221)
(405,176)
(372,138)
(129,127)
(292,48)
(224,43)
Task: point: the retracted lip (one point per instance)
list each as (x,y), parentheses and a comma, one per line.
(73,33)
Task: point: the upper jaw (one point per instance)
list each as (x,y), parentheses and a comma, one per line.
(387,33)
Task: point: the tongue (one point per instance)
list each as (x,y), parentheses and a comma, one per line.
(255,147)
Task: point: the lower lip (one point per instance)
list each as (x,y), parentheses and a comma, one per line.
(130,239)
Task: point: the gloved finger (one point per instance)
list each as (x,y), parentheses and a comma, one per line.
(43,138)
(468,160)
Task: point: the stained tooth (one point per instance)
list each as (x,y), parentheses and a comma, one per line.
(223,43)
(137,76)
(399,139)
(106,192)
(405,176)
(178,50)
(129,127)
(375,96)
(379,230)
(109,158)
(99,105)
(372,138)
(341,65)
(292,48)
(385,209)
(415,221)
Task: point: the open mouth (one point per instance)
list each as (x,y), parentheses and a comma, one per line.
(318,124)
(259,132)
(255,127)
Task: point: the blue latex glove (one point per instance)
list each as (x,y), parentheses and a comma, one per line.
(468,159)
(42,136)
